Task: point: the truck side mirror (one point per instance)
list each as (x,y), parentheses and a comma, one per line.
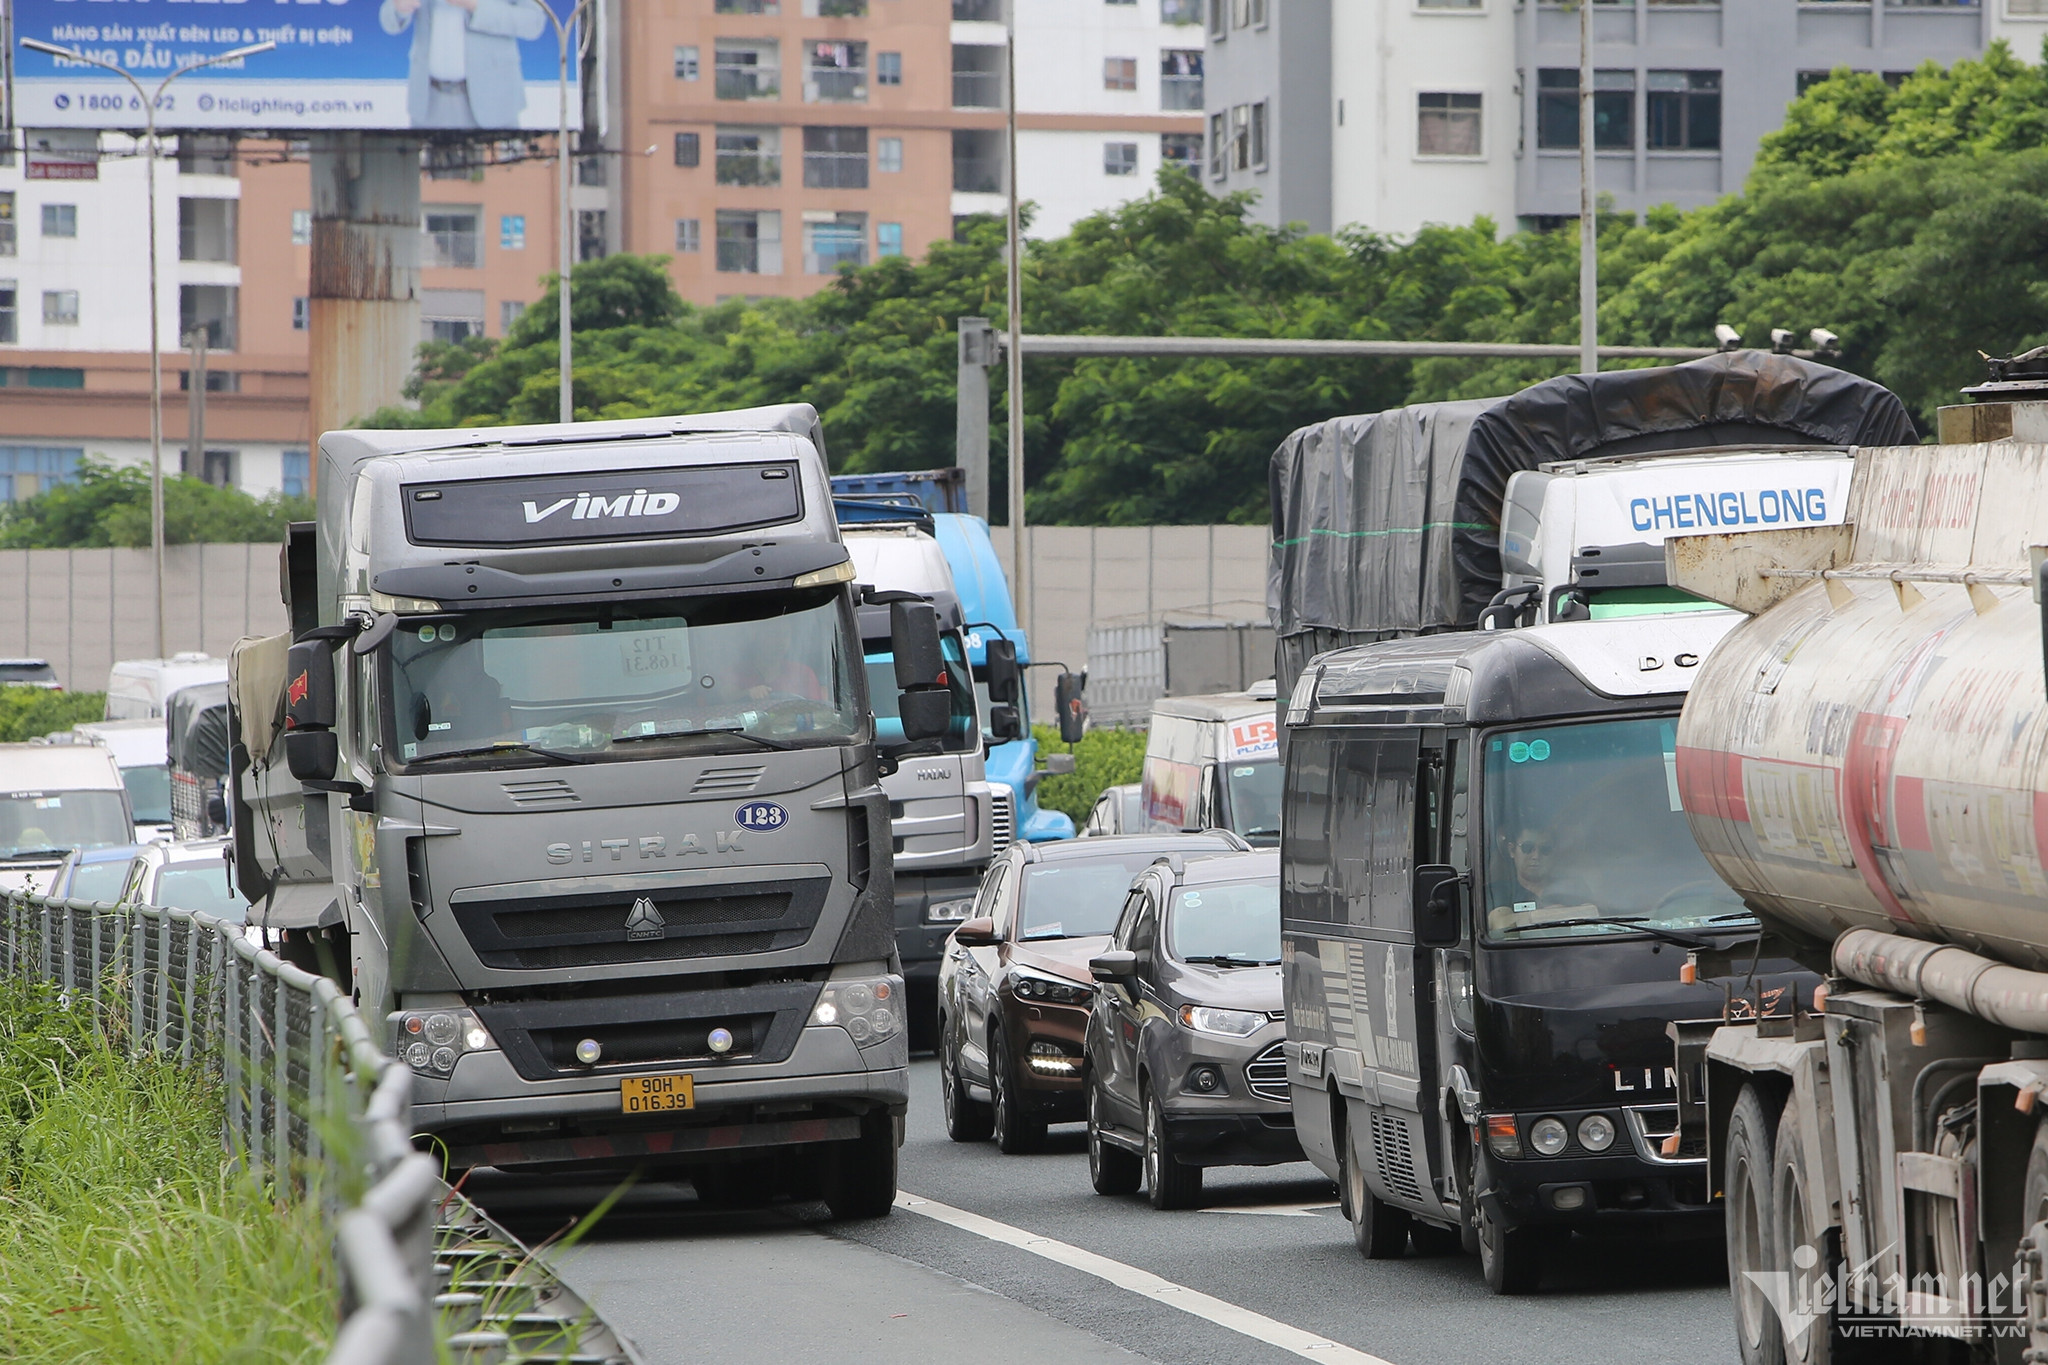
(1004,724)
(311,749)
(1439,906)
(1005,681)
(1073,710)
(925,703)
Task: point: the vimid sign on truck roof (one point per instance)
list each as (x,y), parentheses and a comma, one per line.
(338,64)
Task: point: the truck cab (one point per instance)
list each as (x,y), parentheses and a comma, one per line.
(1214,763)
(55,798)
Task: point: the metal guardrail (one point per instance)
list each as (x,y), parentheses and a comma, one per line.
(312,1104)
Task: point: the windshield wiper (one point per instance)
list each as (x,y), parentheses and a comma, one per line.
(35,853)
(1262,834)
(1635,924)
(736,731)
(503,747)
(1230,960)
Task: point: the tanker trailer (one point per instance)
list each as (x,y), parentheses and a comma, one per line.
(1865,762)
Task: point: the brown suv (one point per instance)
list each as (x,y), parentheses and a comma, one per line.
(1014,984)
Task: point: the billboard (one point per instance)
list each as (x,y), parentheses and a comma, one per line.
(386,65)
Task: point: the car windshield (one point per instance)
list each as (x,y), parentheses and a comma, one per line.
(1077,897)
(1230,923)
(1588,837)
(98,881)
(1255,800)
(36,822)
(962,734)
(31,672)
(149,794)
(200,886)
(602,682)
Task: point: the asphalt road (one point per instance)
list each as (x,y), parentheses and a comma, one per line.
(992,1259)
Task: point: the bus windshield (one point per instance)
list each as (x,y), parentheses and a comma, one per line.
(1586,835)
(598,682)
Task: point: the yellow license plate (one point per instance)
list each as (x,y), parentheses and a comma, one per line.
(656,1094)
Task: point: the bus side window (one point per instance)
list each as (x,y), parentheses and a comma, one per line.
(1458,775)
(1307,873)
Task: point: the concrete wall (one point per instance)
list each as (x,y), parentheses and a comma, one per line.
(84,609)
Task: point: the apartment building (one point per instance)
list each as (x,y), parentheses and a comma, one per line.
(1441,111)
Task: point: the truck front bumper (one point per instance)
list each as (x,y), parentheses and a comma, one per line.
(1622,1194)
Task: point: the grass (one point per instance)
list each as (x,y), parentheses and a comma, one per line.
(124,1236)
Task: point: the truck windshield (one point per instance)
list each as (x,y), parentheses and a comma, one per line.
(602,682)
(1585,835)
(52,823)
(962,734)
(149,792)
(1234,924)
(1254,796)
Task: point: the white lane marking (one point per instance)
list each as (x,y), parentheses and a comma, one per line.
(1275,1210)
(1230,1316)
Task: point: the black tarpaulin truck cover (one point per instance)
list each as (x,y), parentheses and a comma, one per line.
(196,730)
(1388,525)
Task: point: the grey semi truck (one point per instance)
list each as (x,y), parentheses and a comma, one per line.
(568,769)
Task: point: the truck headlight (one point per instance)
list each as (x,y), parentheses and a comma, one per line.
(949,912)
(431,1041)
(1596,1132)
(1548,1136)
(1227,1023)
(870,1009)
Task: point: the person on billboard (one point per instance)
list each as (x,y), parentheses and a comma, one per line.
(465,59)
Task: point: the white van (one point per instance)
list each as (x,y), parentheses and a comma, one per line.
(1214,763)
(54,798)
(140,689)
(138,747)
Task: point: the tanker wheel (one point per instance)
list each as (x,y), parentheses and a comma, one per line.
(1802,1248)
(2034,1243)
(1752,1247)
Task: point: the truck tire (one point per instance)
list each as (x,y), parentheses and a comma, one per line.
(1752,1243)
(1801,1247)
(967,1119)
(860,1174)
(1511,1259)
(1111,1169)
(1015,1130)
(1378,1228)
(2033,1211)
(1168,1183)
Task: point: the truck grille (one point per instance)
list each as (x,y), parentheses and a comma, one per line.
(540,1035)
(1002,821)
(1650,1124)
(1266,1074)
(664,924)
(1394,1156)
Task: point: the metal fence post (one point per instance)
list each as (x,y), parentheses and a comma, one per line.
(164,925)
(191,990)
(231,1050)
(136,957)
(280,1100)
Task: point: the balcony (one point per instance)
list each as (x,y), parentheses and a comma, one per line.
(979,11)
(1180,92)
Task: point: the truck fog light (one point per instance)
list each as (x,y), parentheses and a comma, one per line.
(1596,1132)
(885,1021)
(1548,1136)
(719,1040)
(1567,1199)
(588,1051)
(417,1055)
(444,1059)
(860,1028)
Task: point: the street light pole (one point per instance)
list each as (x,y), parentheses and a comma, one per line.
(562,229)
(1589,225)
(149,100)
(1015,286)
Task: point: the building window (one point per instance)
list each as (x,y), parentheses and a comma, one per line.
(686,63)
(1219,19)
(1447,124)
(509,313)
(747,7)
(60,307)
(592,241)
(1180,11)
(889,154)
(978,160)
(888,68)
(689,235)
(1120,2)
(1557,109)
(590,170)
(452,329)
(1684,111)
(212,308)
(1180,78)
(1219,141)
(1119,158)
(296,473)
(888,240)
(511,232)
(205,154)
(1119,73)
(1259,135)
(10,332)
(1181,150)
(302,227)
(835,72)
(206,229)
(750,241)
(749,156)
(60,220)
(7,245)
(747,69)
(834,239)
(687,151)
(27,470)
(1241,137)
(978,11)
(977,76)
(835,9)
(452,235)
(302,313)
(1462,4)
(835,158)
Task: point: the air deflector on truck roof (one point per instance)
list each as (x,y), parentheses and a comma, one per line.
(555,509)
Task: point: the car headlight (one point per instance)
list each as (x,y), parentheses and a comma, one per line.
(949,912)
(1032,986)
(871,1008)
(1596,1132)
(1548,1136)
(430,1041)
(1228,1023)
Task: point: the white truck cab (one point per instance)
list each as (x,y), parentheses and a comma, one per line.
(1213,762)
(54,798)
(140,689)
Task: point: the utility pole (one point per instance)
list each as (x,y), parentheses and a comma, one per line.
(1589,227)
(195,404)
(970,420)
(1020,569)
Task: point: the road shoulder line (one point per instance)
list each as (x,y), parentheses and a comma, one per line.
(1223,1314)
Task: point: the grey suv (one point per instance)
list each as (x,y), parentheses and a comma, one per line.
(1184,1066)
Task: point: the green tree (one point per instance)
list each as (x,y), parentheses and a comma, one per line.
(109,505)
(32,712)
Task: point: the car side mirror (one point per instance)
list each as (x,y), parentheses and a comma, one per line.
(1005,681)
(1118,967)
(1072,708)
(1004,724)
(976,933)
(1058,765)
(1439,906)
